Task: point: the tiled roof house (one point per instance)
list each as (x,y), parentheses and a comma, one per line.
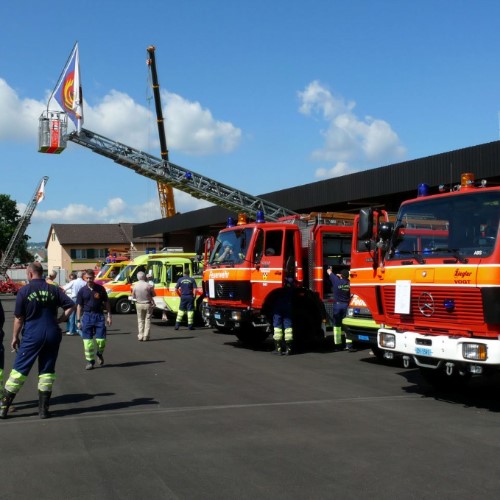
(76,247)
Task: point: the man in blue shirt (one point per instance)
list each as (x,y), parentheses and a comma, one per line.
(186,288)
(35,315)
(92,303)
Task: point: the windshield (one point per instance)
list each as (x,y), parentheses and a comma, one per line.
(461,226)
(125,273)
(231,247)
(103,271)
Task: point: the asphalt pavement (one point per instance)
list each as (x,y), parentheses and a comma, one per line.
(196,415)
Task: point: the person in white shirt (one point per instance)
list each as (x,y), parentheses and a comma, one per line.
(142,295)
(70,292)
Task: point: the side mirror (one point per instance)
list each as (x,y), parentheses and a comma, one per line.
(365,224)
(199,245)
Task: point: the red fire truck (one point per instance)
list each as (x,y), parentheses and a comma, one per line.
(432,279)
(240,284)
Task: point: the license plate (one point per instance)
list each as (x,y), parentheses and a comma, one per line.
(363,337)
(217,315)
(423,351)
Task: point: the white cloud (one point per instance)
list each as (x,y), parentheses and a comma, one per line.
(116,210)
(194,130)
(191,129)
(350,143)
(18,115)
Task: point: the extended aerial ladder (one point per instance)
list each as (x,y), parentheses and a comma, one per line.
(180,178)
(165,191)
(22,225)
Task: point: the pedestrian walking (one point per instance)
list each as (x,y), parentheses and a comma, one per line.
(142,294)
(69,289)
(35,315)
(185,288)
(92,304)
(79,284)
(341,289)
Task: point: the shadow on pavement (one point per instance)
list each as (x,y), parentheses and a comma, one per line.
(479,392)
(67,399)
(129,363)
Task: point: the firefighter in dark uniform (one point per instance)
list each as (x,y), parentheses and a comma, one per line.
(36,316)
(341,289)
(282,319)
(92,304)
(185,288)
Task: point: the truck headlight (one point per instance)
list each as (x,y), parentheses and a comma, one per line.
(387,340)
(475,351)
(236,315)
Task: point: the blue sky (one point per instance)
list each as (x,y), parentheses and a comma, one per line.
(260,95)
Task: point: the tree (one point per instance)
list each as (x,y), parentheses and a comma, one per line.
(9,218)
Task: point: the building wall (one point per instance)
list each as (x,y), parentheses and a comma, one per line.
(59,256)
(54,252)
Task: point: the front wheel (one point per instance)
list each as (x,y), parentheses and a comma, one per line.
(123,306)
(378,353)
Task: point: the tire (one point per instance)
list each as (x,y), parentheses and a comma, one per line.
(378,353)
(123,306)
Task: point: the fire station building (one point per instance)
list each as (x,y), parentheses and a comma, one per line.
(384,187)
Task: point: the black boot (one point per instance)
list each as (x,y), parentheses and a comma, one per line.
(43,404)
(5,402)
(288,351)
(277,348)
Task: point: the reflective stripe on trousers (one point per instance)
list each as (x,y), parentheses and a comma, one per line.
(89,348)
(15,382)
(278,334)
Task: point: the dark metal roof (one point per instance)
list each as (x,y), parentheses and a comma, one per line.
(387,186)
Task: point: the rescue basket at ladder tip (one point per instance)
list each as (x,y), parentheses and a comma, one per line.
(52,131)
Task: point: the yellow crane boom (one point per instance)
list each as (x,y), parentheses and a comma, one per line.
(165,191)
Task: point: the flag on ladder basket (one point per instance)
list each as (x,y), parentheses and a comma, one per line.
(68,92)
(40,195)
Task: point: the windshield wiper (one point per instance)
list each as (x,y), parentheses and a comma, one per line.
(455,252)
(416,255)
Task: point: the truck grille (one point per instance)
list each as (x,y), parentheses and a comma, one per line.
(468,305)
(233,290)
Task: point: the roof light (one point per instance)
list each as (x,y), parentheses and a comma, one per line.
(467,180)
(230,222)
(260,217)
(242,219)
(423,190)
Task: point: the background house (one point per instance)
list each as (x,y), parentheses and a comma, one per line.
(74,247)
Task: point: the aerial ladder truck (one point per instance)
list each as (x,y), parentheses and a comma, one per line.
(17,236)
(239,295)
